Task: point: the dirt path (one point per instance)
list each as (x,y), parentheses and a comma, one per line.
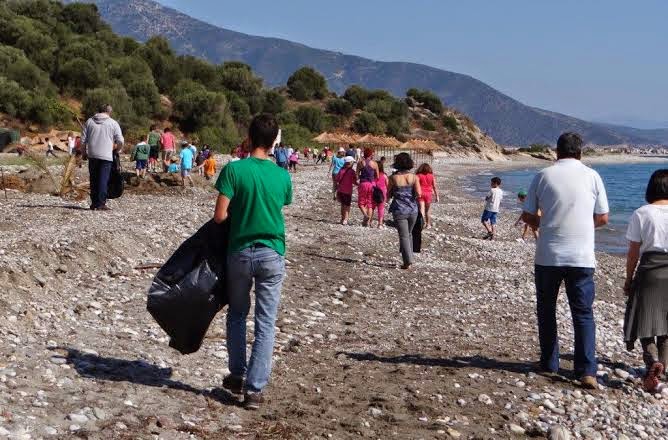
(364,350)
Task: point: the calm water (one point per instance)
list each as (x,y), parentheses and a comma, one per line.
(625,183)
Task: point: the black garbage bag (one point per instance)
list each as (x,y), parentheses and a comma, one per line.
(417,234)
(116,185)
(189,290)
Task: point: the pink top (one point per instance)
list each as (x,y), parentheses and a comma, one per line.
(426,183)
(167,140)
(381,183)
(345,180)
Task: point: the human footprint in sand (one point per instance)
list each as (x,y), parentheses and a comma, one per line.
(646,283)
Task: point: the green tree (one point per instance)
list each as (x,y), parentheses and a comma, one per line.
(310,117)
(428,100)
(82,18)
(341,107)
(114,95)
(240,79)
(296,135)
(306,84)
(196,107)
(366,122)
(78,75)
(450,123)
(357,96)
(274,102)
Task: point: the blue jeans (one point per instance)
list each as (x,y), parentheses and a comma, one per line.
(267,268)
(580,290)
(100,171)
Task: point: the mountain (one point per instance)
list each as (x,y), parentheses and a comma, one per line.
(507,120)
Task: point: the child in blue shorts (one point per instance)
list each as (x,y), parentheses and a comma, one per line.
(492,204)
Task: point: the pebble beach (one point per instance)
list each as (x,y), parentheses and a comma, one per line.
(364,349)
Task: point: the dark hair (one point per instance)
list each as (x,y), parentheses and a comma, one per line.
(381,168)
(153,127)
(569,145)
(657,188)
(263,131)
(424,169)
(496,181)
(368,152)
(382,158)
(167,130)
(403,162)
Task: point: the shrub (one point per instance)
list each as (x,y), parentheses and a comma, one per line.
(310,117)
(274,102)
(78,75)
(116,96)
(286,118)
(296,135)
(239,108)
(428,125)
(340,107)
(196,107)
(82,18)
(356,96)
(428,100)
(306,84)
(239,79)
(450,123)
(368,123)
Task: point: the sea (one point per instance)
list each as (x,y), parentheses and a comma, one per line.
(625,184)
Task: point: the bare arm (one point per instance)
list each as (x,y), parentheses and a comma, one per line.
(390,186)
(600,220)
(222,204)
(632,257)
(532,220)
(416,187)
(435,188)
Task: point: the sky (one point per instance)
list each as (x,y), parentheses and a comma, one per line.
(602,60)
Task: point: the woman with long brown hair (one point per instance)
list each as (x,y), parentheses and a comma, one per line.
(429,192)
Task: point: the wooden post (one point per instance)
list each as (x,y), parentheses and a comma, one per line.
(4,185)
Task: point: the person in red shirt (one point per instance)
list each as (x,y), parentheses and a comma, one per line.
(168,145)
(429,192)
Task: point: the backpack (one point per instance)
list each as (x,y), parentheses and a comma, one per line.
(377,195)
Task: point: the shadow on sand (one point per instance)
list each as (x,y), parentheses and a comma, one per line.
(137,372)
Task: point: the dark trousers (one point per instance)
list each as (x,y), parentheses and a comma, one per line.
(580,290)
(99,171)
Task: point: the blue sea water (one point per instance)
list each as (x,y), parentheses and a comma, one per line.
(625,184)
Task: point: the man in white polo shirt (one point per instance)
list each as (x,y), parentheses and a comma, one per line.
(572,202)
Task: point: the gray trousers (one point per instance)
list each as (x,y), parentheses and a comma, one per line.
(405,224)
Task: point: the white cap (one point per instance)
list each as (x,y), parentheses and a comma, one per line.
(349,159)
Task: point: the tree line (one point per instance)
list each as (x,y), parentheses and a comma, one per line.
(52,54)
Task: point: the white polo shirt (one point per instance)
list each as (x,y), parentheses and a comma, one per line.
(568,195)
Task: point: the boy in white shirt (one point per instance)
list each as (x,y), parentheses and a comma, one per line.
(492,204)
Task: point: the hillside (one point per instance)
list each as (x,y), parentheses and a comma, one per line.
(507,120)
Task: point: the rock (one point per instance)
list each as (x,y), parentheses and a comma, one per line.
(99,413)
(516,429)
(375,412)
(484,398)
(454,433)
(558,432)
(343,289)
(622,374)
(50,430)
(77,418)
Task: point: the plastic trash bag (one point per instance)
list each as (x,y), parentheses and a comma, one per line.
(116,184)
(417,234)
(189,290)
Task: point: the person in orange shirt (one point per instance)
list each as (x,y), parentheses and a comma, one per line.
(209,167)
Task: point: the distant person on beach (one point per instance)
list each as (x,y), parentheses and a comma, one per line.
(281,156)
(573,202)
(345,181)
(492,205)
(404,189)
(337,164)
(140,154)
(172,166)
(429,192)
(153,140)
(71,140)
(101,137)
(379,205)
(168,145)
(49,148)
(186,158)
(350,152)
(209,166)
(521,198)
(367,174)
(646,283)
(253,193)
(293,161)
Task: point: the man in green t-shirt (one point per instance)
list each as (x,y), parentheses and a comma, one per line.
(253,192)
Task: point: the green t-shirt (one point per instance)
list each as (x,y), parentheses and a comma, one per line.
(258,189)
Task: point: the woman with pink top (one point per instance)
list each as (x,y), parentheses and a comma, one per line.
(429,192)
(367,174)
(381,184)
(346,179)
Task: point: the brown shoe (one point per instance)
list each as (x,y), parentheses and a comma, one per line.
(651,380)
(588,382)
(252,401)
(233,384)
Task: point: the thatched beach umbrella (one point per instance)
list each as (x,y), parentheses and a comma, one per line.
(421,149)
